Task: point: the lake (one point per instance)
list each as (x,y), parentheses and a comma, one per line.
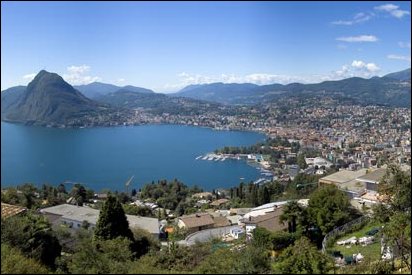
(105,158)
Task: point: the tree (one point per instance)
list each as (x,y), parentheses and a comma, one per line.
(222,261)
(395,210)
(262,238)
(101,257)
(302,258)
(14,262)
(33,236)
(301,161)
(329,207)
(79,193)
(61,188)
(272,240)
(252,260)
(291,214)
(112,221)
(264,196)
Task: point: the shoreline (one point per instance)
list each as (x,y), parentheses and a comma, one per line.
(22,123)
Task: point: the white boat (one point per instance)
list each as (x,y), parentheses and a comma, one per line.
(204,158)
(198,157)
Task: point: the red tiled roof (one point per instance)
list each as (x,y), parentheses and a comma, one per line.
(8,210)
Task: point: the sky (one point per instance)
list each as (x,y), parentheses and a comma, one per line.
(166,46)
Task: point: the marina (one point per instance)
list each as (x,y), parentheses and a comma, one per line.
(256,161)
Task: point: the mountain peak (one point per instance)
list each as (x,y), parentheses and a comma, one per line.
(48,98)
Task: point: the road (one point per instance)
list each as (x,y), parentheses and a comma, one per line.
(206,235)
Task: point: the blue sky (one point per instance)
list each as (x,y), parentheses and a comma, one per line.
(167,45)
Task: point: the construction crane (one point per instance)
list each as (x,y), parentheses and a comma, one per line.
(128,183)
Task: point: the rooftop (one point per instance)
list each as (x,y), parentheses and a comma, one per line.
(82,213)
(374,176)
(343,176)
(221,221)
(8,210)
(219,202)
(197,220)
(268,215)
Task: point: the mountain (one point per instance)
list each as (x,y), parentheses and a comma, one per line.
(219,92)
(402,75)
(46,99)
(137,89)
(96,89)
(10,97)
(392,90)
(156,103)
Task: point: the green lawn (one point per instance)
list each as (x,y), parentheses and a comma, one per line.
(372,251)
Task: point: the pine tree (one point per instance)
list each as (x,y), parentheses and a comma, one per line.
(264,196)
(112,221)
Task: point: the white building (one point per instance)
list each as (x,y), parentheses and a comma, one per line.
(318,161)
(74,216)
(237,232)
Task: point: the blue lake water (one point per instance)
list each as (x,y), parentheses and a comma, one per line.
(103,158)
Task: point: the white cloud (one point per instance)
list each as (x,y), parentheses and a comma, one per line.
(387,7)
(77,75)
(359,38)
(369,67)
(404,44)
(29,77)
(78,69)
(358,18)
(392,10)
(400,57)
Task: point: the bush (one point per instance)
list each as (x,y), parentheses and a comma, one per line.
(13,262)
(33,236)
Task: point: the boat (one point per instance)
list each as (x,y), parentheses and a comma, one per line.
(204,158)
(198,157)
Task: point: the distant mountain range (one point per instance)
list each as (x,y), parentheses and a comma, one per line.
(155,102)
(50,99)
(96,89)
(393,89)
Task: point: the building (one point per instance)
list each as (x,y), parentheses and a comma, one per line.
(221,221)
(219,202)
(196,222)
(371,179)
(74,216)
(9,210)
(269,220)
(236,233)
(318,162)
(346,180)
(263,209)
